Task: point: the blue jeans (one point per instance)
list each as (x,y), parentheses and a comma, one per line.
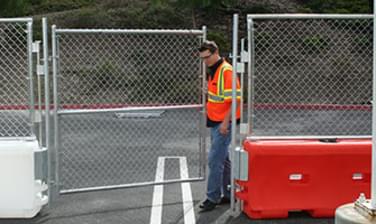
(219,165)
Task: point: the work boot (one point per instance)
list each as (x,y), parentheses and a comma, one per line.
(207,205)
(225,200)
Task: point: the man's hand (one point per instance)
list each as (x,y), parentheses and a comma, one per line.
(223,129)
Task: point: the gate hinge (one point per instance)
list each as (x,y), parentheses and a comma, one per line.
(243,128)
(37,117)
(240,67)
(244,56)
(241,164)
(40,69)
(36,46)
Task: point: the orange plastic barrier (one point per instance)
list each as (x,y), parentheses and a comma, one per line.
(309,175)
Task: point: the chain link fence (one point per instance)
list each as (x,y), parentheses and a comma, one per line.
(311,76)
(105,70)
(125,99)
(14,78)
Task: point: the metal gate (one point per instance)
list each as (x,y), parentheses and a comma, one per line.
(16,84)
(310,75)
(123,99)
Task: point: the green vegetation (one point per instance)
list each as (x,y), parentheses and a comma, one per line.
(257,8)
(191,8)
(208,4)
(337,6)
(106,73)
(193,14)
(13,8)
(220,39)
(48,6)
(314,44)
(167,14)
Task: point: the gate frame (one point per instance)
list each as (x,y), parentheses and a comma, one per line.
(54,166)
(251,66)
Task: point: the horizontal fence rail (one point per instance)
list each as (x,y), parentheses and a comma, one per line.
(310,16)
(131,31)
(15,20)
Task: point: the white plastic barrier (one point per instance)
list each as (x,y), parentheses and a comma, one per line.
(20,194)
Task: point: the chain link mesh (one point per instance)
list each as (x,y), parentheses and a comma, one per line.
(312,77)
(14,82)
(136,69)
(103,149)
(111,70)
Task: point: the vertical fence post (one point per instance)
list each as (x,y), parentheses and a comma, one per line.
(251,68)
(203,119)
(242,50)
(47,104)
(233,107)
(373,179)
(39,90)
(30,75)
(54,153)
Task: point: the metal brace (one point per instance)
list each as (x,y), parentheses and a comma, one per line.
(241,164)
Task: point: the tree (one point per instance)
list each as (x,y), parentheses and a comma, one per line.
(13,8)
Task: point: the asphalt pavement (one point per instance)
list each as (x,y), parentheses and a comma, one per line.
(104,149)
(134,206)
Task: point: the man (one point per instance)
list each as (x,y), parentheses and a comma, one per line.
(218,120)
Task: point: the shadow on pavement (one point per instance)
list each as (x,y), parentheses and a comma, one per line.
(223,215)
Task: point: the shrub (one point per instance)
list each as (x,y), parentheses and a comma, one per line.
(338,6)
(58,5)
(13,8)
(221,39)
(257,8)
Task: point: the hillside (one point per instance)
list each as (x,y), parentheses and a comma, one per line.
(320,62)
(144,14)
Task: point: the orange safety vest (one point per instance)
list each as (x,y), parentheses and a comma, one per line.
(220,93)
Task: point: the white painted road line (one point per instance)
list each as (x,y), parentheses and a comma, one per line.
(156,211)
(157,205)
(189,214)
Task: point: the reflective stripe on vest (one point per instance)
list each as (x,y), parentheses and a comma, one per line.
(215,99)
(228,94)
(220,96)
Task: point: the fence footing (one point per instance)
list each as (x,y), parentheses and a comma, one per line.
(347,214)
